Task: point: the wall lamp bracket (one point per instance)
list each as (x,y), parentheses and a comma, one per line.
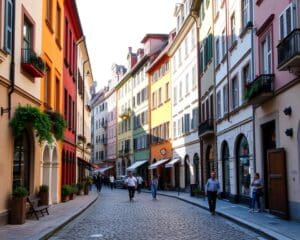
(288,111)
(4,110)
(289,132)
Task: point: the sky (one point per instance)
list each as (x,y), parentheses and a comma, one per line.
(111,26)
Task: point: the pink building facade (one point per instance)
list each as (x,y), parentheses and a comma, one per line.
(274,94)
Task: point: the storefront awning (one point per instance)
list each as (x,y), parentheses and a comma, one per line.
(102,170)
(156,164)
(87,164)
(136,165)
(172,162)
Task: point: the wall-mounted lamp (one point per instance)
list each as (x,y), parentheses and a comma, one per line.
(288,111)
(289,132)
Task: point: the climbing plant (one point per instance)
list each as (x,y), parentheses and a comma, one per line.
(58,124)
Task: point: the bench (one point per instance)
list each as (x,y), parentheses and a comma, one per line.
(35,209)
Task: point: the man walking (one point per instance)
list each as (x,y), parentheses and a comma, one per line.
(211,189)
(139,182)
(154,184)
(111,181)
(131,185)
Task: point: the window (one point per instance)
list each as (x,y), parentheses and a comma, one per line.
(223,44)
(225,99)
(232,28)
(58,28)
(57,95)
(174,63)
(194,83)
(218,104)
(66,104)
(47,87)
(193,39)
(154,100)
(179,57)
(194,118)
(159,97)
(167,91)
(8,25)
(180,90)
(217,52)
(70,113)
(186,123)
(235,93)
(186,83)
(49,12)
(266,54)
(27,34)
(245,76)
(175,95)
(287,21)
(66,37)
(174,129)
(245,13)
(201,60)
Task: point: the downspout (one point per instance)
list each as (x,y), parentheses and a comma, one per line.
(12,65)
(194,16)
(253,74)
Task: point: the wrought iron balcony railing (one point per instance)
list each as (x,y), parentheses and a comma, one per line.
(206,127)
(289,51)
(260,89)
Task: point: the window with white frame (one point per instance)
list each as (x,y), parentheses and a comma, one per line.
(175,95)
(195,118)
(8,25)
(245,13)
(186,83)
(179,57)
(232,28)
(180,90)
(219,104)
(194,82)
(167,91)
(287,21)
(186,47)
(174,129)
(235,92)
(159,96)
(266,54)
(225,99)
(223,43)
(217,51)
(246,78)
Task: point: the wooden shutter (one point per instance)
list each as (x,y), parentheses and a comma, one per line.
(8,25)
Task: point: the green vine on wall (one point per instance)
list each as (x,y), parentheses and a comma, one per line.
(42,122)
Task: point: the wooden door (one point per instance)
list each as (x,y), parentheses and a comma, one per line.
(277,185)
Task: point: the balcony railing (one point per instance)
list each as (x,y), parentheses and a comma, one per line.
(206,128)
(289,51)
(32,63)
(260,89)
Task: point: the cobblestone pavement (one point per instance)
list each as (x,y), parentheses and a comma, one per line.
(112,216)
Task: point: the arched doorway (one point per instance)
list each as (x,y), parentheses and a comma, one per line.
(243,167)
(196,168)
(46,166)
(23,162)
(54,177)
(210,161)
(187,174)
(177,174)
(225,169)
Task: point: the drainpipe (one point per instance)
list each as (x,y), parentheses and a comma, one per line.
(11,87)
(194,16)
(253,74)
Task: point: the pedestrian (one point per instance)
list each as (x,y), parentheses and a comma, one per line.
(211,189)
(99,182)
(154,185)
(139,182)
(111,181)
(131,185)
(257,192)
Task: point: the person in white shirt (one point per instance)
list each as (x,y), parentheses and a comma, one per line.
(139,182)
(111,181)
(131,185)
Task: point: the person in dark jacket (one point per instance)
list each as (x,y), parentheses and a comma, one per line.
(211,189)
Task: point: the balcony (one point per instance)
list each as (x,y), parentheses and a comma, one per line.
(206,128)
(289,52)
(125,114)
(124,151)
(260,89)
(32,64)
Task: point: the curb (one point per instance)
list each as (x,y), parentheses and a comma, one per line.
(258,229)
(56,229)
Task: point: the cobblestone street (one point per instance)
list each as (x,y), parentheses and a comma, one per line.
(112,216)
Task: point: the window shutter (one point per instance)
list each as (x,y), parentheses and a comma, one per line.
(8,25)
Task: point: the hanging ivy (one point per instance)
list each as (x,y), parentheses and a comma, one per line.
(31,116)
(58,124)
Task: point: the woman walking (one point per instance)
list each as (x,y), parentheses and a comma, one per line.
(154,184)
(257,192)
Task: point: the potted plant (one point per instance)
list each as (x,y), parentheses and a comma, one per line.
(18,207)
(74,190)
(44,195)
(80,186)
(65,192)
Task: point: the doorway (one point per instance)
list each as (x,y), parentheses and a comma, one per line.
(225,169)
(187,176)
(268,143)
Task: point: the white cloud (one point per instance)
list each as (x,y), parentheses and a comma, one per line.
(111,26)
